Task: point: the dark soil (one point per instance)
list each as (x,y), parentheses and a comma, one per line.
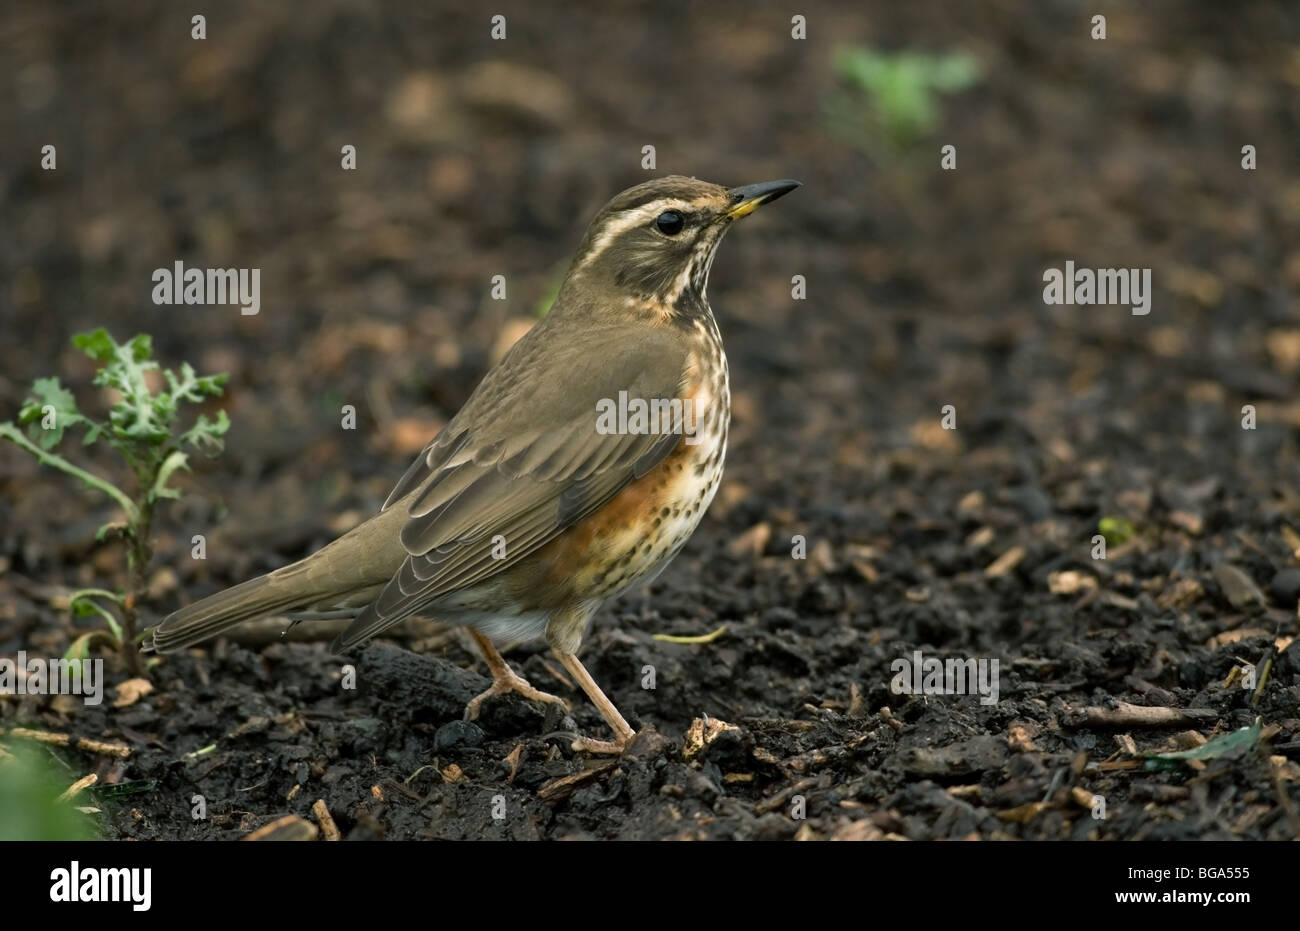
(924,289)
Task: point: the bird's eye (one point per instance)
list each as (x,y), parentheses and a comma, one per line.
(670,222)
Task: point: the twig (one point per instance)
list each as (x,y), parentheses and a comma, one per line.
(327,825)
(72,791)
(63,740)
(1126,715)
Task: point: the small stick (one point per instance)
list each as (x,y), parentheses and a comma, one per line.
(63,740)
(1126,715)
(327,825)
(72,791)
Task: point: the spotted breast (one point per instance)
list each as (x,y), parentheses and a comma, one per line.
(636,534)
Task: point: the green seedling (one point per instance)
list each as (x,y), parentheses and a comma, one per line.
(894,96)
(142,425)
(1116,530)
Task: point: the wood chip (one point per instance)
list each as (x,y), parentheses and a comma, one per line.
(327,825)
(1189,521)
(76,788)
(1292,541)
(865,570)
(1082,797)
(856,703)
(1070,582)
(1233,636)
(1182,594)
(1188,740)
(779,800)
(1023,814)
(1238,587)
(887,716)
(1006,562)
(858,831)
(561,788)
(289,827)
(131,691)
(1020,737)
(701,735)
(513,759)
(752,542)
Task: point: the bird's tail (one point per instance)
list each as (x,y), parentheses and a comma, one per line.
(349,570)
(206,618)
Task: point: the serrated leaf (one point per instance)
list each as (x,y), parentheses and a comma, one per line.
(97,344)
(207,433)
(140,347)
(214,385)
(49,393)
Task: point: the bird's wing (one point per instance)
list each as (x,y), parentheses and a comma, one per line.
(522,461)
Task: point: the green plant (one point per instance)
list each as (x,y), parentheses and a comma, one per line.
(30,804)
(896,92)
(1116,530)
(142,427)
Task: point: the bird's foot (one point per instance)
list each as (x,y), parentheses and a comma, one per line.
(623,732)
(503,682)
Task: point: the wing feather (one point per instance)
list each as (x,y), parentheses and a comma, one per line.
(523,460)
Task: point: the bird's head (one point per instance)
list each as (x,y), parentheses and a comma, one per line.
(651,247)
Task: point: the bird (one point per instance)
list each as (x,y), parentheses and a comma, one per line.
(576,470)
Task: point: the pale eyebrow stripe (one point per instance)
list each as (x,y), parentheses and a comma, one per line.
(630,219)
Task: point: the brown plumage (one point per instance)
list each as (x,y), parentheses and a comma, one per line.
(526,513)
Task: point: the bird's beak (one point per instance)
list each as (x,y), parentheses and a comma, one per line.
(745,200)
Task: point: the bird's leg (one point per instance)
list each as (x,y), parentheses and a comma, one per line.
(504,679)
(623,732)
